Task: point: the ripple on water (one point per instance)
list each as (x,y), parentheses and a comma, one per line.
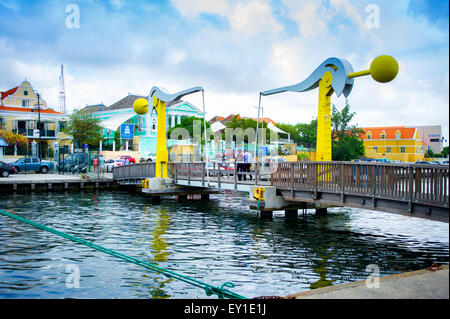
(214,242)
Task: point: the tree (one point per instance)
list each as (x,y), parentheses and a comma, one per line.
(349,147)
(11,138)
(346,144)
(291,130)
(244,124)
(430,154)
(84,129)
(340,123)
(188,123)
(445,151)
(307,133)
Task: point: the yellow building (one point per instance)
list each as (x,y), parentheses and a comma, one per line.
(19,114)
(396,143)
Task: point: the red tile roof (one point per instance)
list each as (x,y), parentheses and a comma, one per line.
(9,92)
(24,109)
(406,132)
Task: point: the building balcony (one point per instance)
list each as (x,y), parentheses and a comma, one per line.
(30,133)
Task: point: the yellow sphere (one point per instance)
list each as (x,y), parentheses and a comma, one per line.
(140,106)
(384,68)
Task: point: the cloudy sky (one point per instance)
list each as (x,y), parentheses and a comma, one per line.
(234,49)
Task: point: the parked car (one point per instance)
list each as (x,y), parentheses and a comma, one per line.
(150,158)
(6,169)
(130,159)
(32,164)
(426,162)
(109,164)
(383,160)
(72,160)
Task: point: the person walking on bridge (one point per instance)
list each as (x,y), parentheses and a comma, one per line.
(239,164)
(248,164)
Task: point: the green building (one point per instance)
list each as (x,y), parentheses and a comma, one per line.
(144,141)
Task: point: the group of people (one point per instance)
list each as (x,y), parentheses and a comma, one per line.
(243,165)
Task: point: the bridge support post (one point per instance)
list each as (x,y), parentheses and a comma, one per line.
(321,211)
(291,213)
(155,199)
(266,214)
(205,197)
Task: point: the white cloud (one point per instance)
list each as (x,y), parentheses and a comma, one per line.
(310,16)
(287,59)
(258,51)
(245,18)
(255,17)
(192,8)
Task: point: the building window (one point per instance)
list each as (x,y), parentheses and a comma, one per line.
(369,137)
(62,125)
(383,136)
(435,140)
(140,124)
(2,123)
(388,149)
(375,149)
(25,92)
(402,149)
(398,136)
(154,124)
(25,103)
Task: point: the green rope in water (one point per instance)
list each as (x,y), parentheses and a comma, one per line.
(221,292)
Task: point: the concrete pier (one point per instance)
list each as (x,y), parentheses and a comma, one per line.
(420,284)
(162,187)
(55,182)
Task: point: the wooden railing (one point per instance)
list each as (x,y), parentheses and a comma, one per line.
(415,183)
(428,184)
(134,171)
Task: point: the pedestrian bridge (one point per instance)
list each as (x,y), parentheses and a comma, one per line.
(417,190)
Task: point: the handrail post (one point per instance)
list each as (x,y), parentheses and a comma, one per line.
(342,182)
(189,173)
(176,172)
(411,187)
(316,178)
(292,179)
(203,173)
(235,174)
(218,174)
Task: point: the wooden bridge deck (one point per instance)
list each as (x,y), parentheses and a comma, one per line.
(410,189)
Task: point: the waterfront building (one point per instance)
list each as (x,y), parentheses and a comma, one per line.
(144,140)
(19,114)
(432,137)
(397,143)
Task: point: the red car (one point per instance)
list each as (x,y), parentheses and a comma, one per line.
(128,157)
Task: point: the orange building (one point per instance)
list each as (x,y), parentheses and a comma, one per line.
(397,143)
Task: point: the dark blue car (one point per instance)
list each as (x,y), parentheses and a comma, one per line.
(6,169)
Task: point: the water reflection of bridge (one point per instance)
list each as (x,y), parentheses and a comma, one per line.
(408,189)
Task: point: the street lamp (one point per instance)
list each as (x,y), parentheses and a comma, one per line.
(38,108)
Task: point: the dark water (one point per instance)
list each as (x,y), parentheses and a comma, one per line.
(217,241)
